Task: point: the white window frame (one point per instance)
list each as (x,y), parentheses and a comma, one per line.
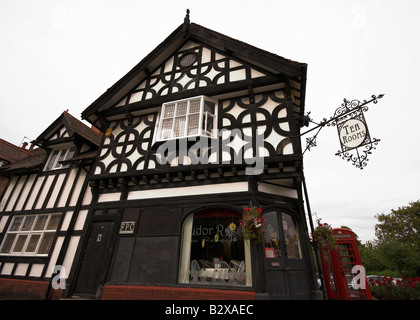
(26,230)
(204,114)
(57,156)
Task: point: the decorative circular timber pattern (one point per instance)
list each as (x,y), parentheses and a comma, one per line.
(248,128)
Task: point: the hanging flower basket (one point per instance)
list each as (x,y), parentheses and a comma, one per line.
(252,225)
(323,236)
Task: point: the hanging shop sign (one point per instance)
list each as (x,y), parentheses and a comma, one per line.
(356,143)
(352,133)
(355,140)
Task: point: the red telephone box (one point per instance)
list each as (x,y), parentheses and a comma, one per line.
(344,275)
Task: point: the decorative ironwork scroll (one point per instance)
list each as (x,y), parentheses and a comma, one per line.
(355,140)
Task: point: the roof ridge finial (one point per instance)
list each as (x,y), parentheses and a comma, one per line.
(186,24)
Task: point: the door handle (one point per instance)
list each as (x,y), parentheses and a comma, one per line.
(289,271)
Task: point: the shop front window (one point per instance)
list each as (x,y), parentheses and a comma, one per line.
(214,251)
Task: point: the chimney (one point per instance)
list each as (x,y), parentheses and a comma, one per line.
(24,145)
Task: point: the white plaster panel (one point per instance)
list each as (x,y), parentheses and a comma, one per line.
(71,251)
(107,197)
(44,191)
(277,190)
(34,193)
(25,192)
(21,269)
(190,191)
(56,190)
(7,268)
(14,195)
(54,256)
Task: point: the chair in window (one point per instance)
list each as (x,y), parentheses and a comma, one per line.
(205,263)
(234,264)
(227,272)
(240,273)
(195,271)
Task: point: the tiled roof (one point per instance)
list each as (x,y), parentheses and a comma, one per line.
(31,161)
(12,153)
(74,126)
(81,129)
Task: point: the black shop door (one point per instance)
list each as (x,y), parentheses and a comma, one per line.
(95,258)
(286,272)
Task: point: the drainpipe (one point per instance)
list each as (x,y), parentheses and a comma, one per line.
(318,260)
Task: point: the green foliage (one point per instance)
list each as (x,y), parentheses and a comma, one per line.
(398,245)
(398,255)
(371,259)
(402,225)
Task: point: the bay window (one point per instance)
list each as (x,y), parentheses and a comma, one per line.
(187,118)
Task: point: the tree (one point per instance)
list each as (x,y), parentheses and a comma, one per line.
(356,237)
(399,237)
(370,256)
(398,255)
(402,224)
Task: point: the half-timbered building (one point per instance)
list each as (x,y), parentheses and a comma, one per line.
(203,127)
(200,129)
(43,209)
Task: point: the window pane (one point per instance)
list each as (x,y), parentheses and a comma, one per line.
(166,128)
(112,211)
(181,109)
(71,153)
(291,236)
(271,235)
(20,242)
(40,222)
(8,242)
(193,124)
(187,60)
(195,106)
(207,123)
(169,111)
(33,242)
(52,160)
(54,221)
(46,242)
(179,127)
(209,107)
(60,158)
(27,225)
(16,223)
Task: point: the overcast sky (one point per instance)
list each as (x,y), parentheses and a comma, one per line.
(63,54)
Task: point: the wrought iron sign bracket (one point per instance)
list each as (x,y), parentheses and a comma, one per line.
(356,143)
